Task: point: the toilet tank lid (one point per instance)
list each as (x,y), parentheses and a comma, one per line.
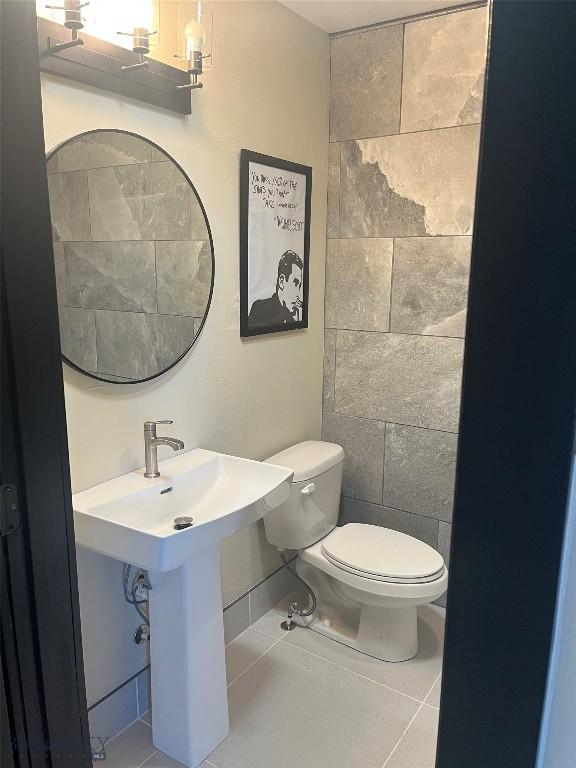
(308,459)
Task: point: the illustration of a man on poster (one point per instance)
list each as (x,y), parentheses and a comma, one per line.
(285,304)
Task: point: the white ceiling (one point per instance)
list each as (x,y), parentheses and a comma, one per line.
(340,15)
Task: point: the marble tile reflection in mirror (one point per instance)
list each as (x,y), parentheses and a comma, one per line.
(133,256)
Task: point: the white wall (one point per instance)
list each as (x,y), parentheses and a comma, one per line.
(269,92)
(558,736)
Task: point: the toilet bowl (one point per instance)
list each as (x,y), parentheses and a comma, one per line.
(368,580)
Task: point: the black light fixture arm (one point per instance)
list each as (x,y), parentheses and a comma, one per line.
(72,21)
(140,45)
(195,69)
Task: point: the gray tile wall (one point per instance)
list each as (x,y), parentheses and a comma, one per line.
(132,255)
(406,105)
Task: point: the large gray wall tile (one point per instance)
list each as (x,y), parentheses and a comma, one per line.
(52,164)
(114,275)
(444,62)
(236,618)
(358,277)
(356,511)
(137,345)
(102,149)
(60,273)
(329,370)
(444,540)
(69,210)
(411,184)
(363,443)
(143,689)
(333,221)
(140,202)
(198,227)
(266,595)
(365,82)
(78,337)
(114,713)
(411,380)
(430,285)
(419,470)
(184,277)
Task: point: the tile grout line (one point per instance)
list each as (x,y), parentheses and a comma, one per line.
(382,333)
(345,669)
(439,677)
(397,509)
(405,731)
(148,758)
(120,733)
(231,683)
(377,137)
(392,423)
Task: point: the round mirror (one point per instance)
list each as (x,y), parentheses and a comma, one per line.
(133,255)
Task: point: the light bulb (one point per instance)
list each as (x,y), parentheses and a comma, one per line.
(195,38)
(141,14)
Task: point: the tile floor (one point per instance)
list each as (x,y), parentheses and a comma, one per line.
(299,699)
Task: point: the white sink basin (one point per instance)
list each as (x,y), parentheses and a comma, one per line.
(131,518)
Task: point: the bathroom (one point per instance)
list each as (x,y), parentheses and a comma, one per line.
(308,626)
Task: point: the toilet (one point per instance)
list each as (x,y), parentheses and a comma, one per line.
(368,580)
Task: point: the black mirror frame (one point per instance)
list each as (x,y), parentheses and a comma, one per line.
(49,156)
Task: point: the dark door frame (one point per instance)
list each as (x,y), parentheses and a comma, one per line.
(41,644)
(519,395)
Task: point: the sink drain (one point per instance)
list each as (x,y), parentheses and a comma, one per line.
(183,522)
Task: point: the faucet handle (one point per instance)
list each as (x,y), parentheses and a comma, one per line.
(150,426)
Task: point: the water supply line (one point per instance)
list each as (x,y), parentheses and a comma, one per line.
(132,595)
(294,607)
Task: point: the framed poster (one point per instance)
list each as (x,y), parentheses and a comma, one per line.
(275,200)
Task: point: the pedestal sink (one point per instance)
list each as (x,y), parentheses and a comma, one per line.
(131,519)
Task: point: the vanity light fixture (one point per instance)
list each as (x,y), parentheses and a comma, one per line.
(99,61)
(195,40)
(142,17)
(72,21)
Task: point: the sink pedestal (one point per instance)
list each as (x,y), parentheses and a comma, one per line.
(189,699)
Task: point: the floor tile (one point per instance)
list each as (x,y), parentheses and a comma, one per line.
(147,717)
(414,677)
(434,696)
(292,708)
(160,760)
(244,651)
(130,748)
(417,749)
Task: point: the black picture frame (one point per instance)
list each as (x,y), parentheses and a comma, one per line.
(246,158)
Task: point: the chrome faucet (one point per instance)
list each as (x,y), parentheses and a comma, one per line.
(151,443)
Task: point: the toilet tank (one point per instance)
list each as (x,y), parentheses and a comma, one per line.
(311,511)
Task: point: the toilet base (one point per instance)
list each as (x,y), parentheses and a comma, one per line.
(386,634)
(385,628)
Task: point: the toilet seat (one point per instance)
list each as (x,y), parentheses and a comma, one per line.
(381,554)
